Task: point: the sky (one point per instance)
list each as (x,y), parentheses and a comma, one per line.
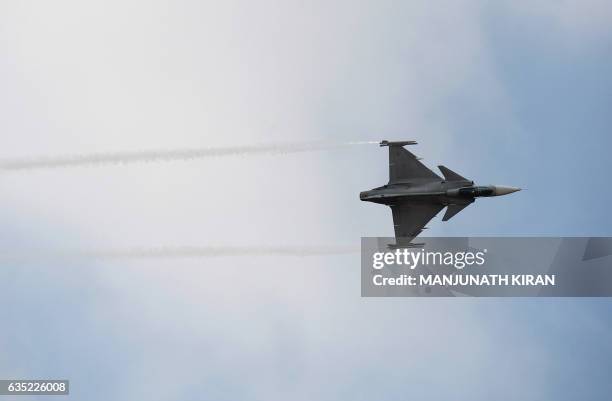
(513,93)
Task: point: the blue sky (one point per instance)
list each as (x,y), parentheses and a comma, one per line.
(504,93)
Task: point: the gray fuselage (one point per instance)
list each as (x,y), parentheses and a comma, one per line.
(442,192)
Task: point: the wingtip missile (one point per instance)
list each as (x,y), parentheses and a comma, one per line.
(396,143)
(404,245)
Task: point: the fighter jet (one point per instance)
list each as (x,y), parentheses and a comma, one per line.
(416,194)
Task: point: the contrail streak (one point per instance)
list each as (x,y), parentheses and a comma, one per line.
(95,159)
(183,252)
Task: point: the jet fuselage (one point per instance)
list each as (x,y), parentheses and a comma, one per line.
(442,192)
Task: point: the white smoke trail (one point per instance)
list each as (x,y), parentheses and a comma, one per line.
(183,252)
(95,159)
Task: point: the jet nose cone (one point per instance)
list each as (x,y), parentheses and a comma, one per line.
(502,190)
